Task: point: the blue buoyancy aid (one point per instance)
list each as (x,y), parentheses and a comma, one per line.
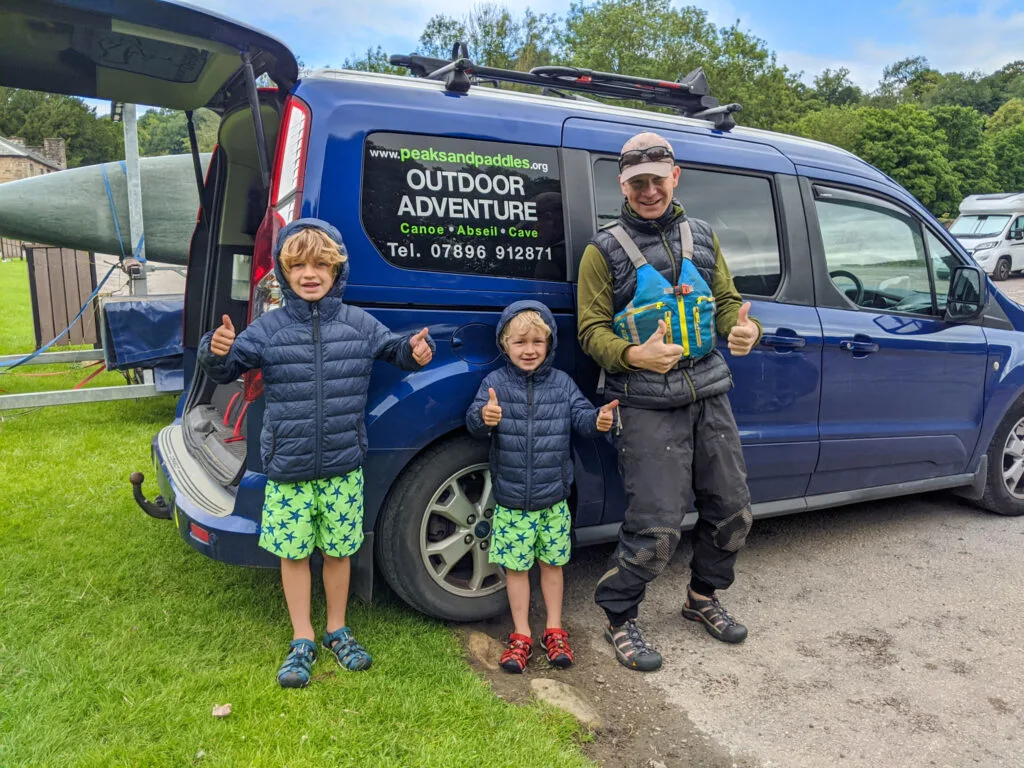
(687,308)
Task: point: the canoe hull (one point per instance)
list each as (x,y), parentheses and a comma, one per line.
(72,209)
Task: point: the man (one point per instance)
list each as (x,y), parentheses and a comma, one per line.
(676,434)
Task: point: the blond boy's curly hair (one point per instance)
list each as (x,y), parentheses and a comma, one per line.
(314,246)
(522,322)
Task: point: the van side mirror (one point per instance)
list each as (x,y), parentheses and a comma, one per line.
(1017,234)
(968,294)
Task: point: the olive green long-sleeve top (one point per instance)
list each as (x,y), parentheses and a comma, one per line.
(596,309)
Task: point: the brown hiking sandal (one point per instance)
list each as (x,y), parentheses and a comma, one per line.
(556,644)
(517,654)
(716,620)
(631,650)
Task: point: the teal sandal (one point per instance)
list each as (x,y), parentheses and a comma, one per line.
(297,667)
(347,650)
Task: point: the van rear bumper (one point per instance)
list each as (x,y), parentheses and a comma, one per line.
(222,525)
(203,511)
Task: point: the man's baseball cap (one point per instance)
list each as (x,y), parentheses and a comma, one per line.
(645,153)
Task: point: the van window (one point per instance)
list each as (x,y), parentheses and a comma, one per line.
(875,253)
(463,205)
(739,209)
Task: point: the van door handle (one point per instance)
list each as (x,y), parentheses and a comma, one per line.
(858,347)
(780,341)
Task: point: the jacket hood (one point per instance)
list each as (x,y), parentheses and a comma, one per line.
(521,306)
(341,279)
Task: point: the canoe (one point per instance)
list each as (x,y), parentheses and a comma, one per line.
(71,208)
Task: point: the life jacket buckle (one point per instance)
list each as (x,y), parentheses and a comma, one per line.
(679,290)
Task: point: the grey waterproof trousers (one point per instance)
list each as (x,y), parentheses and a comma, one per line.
(667,458)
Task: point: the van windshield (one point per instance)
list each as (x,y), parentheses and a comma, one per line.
(979,226)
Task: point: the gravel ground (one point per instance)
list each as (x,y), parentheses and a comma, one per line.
(885,634)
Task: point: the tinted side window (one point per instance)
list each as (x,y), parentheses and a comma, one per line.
(739,209)
(461,205)
(875,253)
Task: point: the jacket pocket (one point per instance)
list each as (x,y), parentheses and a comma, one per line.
(269,446)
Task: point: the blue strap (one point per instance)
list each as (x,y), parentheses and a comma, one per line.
(10,366)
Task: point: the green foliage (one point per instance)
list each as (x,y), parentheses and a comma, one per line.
(651,38)
(1008,148)
(1007,117)
(374,60)
(494,38)
(835,89)
(165,132)
(34,116)
(969,154)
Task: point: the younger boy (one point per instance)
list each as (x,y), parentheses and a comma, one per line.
(529,408)
(316,353)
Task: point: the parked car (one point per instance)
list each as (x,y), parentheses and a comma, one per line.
(888,366)
(991,228)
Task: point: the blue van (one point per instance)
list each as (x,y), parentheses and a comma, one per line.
(889,364)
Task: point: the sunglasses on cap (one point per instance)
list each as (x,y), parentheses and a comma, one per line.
(655,154)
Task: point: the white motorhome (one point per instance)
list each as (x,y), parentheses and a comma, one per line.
(991,228)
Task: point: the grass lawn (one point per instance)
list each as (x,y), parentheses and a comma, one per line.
(117,639)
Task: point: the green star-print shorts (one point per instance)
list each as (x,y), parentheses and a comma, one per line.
(521,536)
(314,514)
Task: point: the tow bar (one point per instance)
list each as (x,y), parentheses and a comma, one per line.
(157,508)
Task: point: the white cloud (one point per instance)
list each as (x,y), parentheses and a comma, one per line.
(952,41)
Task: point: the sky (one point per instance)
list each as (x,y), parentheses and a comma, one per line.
(807,35)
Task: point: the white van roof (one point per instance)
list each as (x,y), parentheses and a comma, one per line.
(1001,202)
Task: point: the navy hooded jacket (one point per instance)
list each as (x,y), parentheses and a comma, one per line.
(531,464)
(316,359)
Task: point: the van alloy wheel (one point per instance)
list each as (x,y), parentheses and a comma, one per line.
(455,534)
(1002,270)
(1013,461)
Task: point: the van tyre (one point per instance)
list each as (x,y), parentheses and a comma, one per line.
(434,534)
(1002,270)
(1004,490)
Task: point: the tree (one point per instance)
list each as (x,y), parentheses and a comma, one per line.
(907,143)
(34,116)
(899,76)
(968,152)
(651,38)
(494,37)
(165,132)
(839,126)
(1008,148)
(835,88)
(374,60)
(1008,116)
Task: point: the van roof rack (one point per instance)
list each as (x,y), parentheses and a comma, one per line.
(689,95)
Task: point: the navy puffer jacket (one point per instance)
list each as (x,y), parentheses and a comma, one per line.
(316,360)
(531,465)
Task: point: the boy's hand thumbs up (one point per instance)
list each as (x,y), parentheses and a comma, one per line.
(421,351)
(606,416)
(491,412)
(223,337)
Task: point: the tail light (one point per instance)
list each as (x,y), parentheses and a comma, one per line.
(290,161)
(284,206)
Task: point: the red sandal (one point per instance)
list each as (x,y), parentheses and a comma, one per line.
(517,654)
(556,643)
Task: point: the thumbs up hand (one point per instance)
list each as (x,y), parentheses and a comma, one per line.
(744,334)
(606,416)
(223,337)
(421,351)
(654,354)
(491,412)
